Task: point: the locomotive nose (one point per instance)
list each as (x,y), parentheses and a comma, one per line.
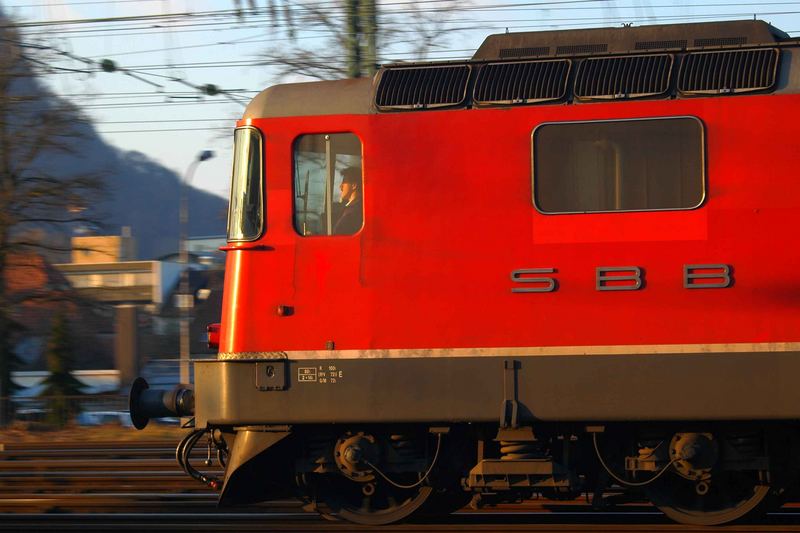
(145,403)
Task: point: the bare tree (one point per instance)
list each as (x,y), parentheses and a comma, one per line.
(41,199)
(359,36)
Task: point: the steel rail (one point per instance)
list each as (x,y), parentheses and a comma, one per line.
(132,486)
(651,522)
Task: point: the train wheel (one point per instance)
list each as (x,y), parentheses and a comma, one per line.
(697,491)
(360,491)
(728,497)
(374,503)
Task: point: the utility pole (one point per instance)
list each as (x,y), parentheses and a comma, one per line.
(353,38)
(369,28)
(185,298)
(361,38)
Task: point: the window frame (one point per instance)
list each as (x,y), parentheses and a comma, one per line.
(261,186)
(330,175)
(703,163)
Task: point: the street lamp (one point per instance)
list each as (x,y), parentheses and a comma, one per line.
(185,300)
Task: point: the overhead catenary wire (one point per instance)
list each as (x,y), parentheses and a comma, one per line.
(552,22)
(591,21)
(335,10)
(563,5)
(90,2)
(162,130)
(221,20)
(334,6)
(237,12)
(109,66)
(161,121)
(140,69)
(177,28)
(225,26)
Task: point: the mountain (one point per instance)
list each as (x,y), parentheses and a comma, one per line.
(144,195)
(52,158)
(139,192)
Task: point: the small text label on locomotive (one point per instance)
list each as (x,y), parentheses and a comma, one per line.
(325,374)
(306,374)
(625,278)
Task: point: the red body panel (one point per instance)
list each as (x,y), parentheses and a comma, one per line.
(449,216)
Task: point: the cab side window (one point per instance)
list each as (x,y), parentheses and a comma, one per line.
(328,184)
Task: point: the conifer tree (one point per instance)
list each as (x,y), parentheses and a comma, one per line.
(60,383)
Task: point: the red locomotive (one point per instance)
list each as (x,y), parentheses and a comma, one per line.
(565,266)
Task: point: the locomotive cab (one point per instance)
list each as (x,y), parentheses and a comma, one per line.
(550,281)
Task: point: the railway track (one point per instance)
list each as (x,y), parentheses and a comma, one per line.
(84,477)
(468,522)
(131,486)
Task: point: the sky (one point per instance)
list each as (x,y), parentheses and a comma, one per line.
(155,106)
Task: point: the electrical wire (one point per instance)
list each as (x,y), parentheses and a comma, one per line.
(134,73)
(182,456)
(336,12)
(222,17)
(319,6)
(160,121)
(422,479)
(553,23)
(623,481)
(163,130)
(104,2)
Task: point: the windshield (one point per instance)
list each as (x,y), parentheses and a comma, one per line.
(246,212)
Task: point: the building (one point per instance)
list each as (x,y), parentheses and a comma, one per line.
(88,249)
(143,296)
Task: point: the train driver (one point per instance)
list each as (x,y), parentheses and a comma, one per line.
(351,214)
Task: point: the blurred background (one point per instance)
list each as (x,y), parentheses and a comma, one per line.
(112,111)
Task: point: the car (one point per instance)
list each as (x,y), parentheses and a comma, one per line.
(103,418)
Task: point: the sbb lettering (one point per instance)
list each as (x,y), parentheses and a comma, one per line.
(624,278)
(537,284)
(618,278)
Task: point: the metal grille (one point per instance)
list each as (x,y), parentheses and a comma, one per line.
(731,71)
(721,41)
(522,83)
(581,49)
(422,87)
(623,77)
(658,45)
(507,53)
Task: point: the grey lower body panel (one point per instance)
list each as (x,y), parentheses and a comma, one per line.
(661,387)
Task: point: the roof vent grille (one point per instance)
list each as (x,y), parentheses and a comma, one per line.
(660,45)
(422,87)
(623,77)
(721,41)
(522,83)
(575,49)
(511,53)
(730,71)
